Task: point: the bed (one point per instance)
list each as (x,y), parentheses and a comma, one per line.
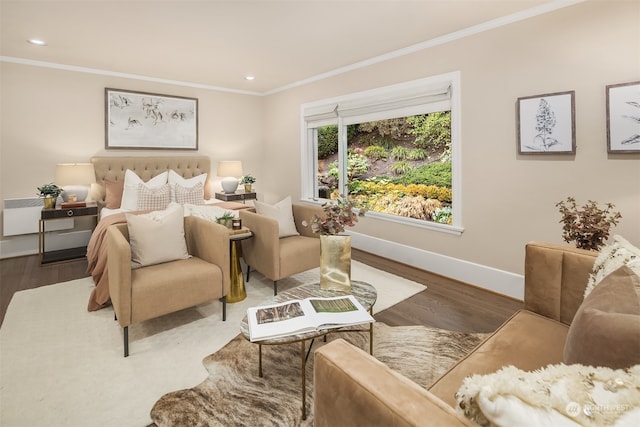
(108,192)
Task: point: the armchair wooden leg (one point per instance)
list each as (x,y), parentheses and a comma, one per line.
(275,287)
(248,271)
(126,341)
(224,308)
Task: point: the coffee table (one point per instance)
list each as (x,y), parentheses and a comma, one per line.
(366,295)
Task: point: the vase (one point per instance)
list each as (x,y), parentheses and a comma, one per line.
(247,188)
(335,262)
(50,202)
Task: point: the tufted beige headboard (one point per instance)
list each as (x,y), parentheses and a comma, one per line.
(113,168)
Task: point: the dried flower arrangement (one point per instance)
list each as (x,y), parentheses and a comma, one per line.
(587,226)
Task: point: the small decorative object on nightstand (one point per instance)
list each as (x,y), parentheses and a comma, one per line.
(49,194)
(248,180)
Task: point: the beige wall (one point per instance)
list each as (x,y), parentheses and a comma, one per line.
(51,116)
(54,116)
(507,199)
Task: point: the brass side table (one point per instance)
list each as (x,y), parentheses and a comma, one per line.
(237,291)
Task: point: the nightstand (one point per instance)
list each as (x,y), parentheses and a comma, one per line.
(238,195)
(91,210)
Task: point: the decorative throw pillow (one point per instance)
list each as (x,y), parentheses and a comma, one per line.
(558,395)
(157,237)
(606,328)
(114,189)
(174,179)
(281,212)
(192,195)
(153,199)
(130,192)
(611,257)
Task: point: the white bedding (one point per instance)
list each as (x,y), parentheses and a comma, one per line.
(105,212)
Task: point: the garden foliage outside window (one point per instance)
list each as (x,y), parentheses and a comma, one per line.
(393,150)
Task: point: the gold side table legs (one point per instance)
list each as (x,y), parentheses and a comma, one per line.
(237,292)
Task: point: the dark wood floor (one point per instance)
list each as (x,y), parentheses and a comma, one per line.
(444,303)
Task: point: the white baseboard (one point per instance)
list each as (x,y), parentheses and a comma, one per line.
(482,276)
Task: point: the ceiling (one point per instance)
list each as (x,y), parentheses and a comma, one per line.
(216,43)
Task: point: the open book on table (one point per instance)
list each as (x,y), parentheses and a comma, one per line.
(306,315)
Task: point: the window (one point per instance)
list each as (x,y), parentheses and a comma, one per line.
(395,149)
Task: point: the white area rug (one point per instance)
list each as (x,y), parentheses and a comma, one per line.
(61,365)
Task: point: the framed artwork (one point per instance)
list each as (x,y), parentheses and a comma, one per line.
(623,118)
(546,124)
(141,120)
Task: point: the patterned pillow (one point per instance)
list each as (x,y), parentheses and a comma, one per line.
(175,179)
(153,199)
(131,183)
(192,195)
(612,257)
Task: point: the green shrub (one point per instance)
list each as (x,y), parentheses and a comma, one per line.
(327,141)
(376,152)
(437,173)
(431,131)
(399,153)
(417,154)
(401,167)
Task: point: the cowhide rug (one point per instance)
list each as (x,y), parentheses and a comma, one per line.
(234,394)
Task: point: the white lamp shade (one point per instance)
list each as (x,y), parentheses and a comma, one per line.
(231,170)
(75,178)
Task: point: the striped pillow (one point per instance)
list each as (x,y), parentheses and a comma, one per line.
(153,199)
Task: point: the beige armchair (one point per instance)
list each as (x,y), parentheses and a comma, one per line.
(152,291)
(275,257)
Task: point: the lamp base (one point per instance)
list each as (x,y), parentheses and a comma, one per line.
(80,191)
(229,184)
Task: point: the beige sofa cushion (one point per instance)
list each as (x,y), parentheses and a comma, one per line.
(527,340)
(281,212)
(606,328)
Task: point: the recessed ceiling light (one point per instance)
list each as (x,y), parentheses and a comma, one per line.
(249,77)
(37,42)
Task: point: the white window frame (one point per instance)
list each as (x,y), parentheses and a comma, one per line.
(401,100)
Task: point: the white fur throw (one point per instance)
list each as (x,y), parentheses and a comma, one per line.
(612,257)
(558,395)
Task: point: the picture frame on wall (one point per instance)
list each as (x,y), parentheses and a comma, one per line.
(623,118)
(143,120)
(546,123)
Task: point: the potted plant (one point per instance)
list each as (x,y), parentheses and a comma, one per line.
(335,249)
(587,226)
(247,180)
(50,193)
(225,219)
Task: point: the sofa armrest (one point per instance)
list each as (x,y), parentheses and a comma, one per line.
(555,279)
(209,241)
(119,270)
(263,251)
(352,388)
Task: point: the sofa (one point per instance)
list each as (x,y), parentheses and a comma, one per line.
(352,388)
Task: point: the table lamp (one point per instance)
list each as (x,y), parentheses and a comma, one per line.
(231,170)
(76,179)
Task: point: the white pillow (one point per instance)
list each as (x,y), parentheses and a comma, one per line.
(611,257)
(157,237)
(175,178)
(281,212)
(130,191)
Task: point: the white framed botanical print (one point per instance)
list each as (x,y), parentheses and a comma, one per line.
(546,123)
(623,118)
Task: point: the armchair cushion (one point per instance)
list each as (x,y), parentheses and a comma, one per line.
(281,212)
(157,237)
